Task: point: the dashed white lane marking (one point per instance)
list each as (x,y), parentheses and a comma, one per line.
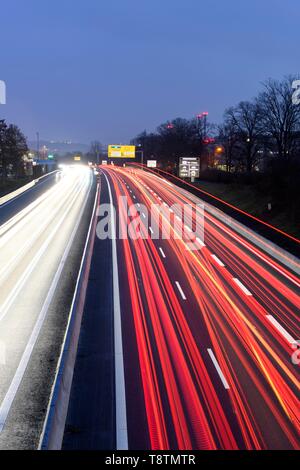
(218,261)
(187,228)
(162,252)
(198,240)
(134,197)
(144,215)
(218,369)
(242,287)
(281,330)
(171,210)
(180,290)
(139,205)
(151,230)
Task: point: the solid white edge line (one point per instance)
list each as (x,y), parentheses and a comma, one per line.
(14,386)
(220,263)
(218,369)
(180,290)
(281,330)
(121,415)
(242,287)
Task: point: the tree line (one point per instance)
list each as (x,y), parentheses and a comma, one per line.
(13,147)
(258,142)
(252,130)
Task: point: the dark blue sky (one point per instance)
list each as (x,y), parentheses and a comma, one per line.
(107,69)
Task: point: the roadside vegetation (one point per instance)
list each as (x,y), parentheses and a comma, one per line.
(252,159)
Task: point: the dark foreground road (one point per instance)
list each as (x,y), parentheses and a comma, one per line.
(209,327)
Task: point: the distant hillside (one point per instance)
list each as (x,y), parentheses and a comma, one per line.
(59,148)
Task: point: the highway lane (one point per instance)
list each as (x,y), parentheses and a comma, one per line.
(40,250)
(209,333)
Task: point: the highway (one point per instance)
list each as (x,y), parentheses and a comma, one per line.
(209,321)
(41,238)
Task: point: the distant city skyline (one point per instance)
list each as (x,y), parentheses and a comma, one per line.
(109,70)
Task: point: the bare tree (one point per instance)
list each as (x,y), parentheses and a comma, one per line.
(280,117)
(227,134)
(245,120)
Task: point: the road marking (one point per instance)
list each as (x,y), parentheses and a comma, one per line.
(151,230)
(171,210)
(139,205)
(218,261)
(218,369)
(242,287)
(281,330)
(187,228)
(121,416)
(162,253)
(180,290)
(143,214)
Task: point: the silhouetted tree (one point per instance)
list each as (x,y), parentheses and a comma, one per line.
(280,118)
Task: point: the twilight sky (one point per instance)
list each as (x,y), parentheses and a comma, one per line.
(108,69)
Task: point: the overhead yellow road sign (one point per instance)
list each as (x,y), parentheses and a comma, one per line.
(121,151)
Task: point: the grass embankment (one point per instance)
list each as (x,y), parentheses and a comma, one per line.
(9,185)
(248,199)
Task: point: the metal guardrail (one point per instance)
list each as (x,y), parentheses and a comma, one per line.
(10,196)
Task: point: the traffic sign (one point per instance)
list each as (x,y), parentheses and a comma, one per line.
(121,151)
(189,167)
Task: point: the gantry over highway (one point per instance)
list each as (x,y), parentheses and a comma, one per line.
(186,342)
